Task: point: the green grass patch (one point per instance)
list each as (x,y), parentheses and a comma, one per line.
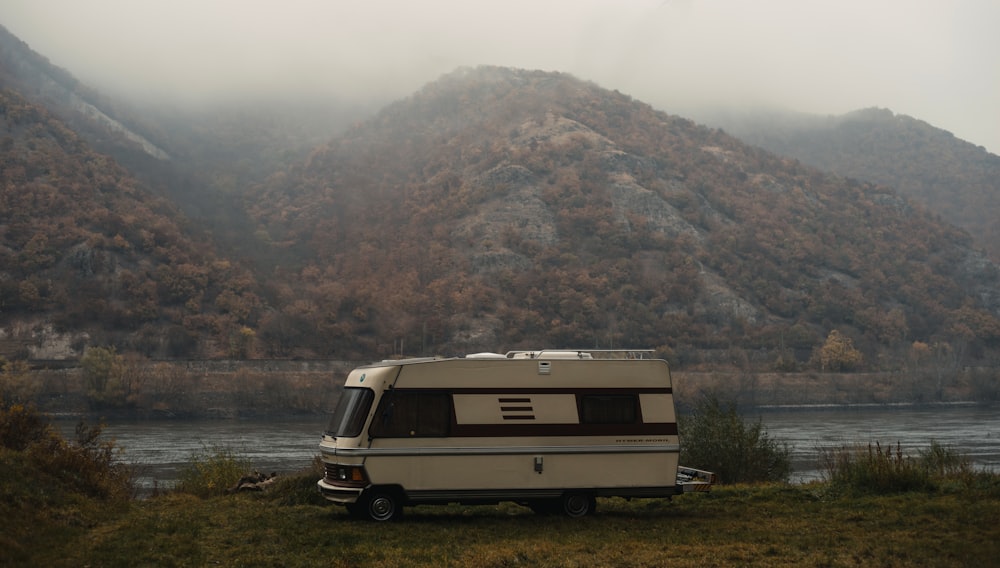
(52,490)
(766,525)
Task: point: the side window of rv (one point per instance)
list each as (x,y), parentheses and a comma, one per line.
(403,414)
(609,409)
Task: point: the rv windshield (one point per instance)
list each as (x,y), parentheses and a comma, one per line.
(352,410)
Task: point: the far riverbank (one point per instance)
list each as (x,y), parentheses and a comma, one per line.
(252,389)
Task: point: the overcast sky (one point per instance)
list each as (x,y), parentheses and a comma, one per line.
(938,61)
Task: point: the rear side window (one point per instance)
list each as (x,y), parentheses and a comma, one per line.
(403,414)
(609,409)
(352,410)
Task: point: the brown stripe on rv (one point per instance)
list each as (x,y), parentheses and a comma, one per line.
(528,430)
(516,408)
(518,417)
(542,390)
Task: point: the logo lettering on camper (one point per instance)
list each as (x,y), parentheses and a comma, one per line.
(516,408)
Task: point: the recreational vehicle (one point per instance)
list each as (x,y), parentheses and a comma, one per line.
(551,430)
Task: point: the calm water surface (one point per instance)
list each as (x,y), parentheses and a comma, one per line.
(162,448)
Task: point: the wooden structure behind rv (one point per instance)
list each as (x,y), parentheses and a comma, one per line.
(552,430)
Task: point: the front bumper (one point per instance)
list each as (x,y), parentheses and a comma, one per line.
(339,494)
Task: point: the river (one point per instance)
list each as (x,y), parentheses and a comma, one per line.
(161,448)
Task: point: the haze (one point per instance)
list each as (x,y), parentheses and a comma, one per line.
(935,61)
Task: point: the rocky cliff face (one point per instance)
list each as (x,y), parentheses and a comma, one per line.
(517,206)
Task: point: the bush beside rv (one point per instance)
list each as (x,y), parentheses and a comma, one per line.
(551,430)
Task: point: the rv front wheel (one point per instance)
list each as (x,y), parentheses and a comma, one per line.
(381,506)
(577,505)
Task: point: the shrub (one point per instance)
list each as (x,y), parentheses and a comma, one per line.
(92,465)
(103,374)
(874,469)
(212,472)
(21,426)
(87,465)
(715,437)
(16,382)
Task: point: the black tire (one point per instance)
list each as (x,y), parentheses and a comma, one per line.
(380,505)
(576,505)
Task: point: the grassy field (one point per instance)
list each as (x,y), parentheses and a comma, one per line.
(769,525)
(71,503)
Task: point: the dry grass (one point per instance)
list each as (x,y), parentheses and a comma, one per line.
(772,525)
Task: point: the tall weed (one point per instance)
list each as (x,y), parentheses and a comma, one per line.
(888,470)
(942,461)
(213,471)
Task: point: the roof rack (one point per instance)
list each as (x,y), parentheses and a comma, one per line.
(577,353)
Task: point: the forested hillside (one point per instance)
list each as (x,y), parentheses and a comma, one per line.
(88,252)
(109,125)
(493,209)
(951,177)
(195,155)
(498,207)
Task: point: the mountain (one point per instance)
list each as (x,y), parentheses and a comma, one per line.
(108,125)
(196,156)
(89,256)
(507,208)
(951,177)
(493,209)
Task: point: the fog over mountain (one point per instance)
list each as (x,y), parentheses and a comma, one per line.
(934,61)
(492,206)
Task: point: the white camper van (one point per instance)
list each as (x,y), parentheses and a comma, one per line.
(551,430)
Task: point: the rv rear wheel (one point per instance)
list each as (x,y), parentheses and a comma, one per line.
(577,505)
(381,505)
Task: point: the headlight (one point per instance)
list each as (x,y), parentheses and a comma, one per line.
(352,474)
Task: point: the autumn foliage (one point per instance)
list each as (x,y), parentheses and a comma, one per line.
(494,209)
(86,246)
